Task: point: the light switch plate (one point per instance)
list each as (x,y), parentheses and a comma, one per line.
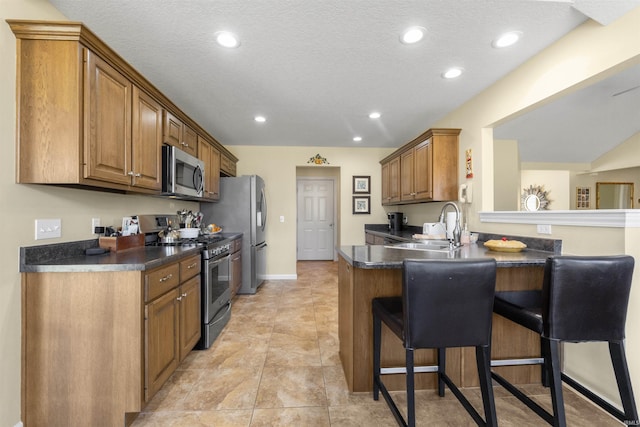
(544,228)
(48,228)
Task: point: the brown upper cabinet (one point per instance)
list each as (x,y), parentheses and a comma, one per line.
(86,118)
(227,166)
(211,158)
(423,170)
(179,134)
(391,181)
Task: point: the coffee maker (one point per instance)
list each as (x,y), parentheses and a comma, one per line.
(395,221)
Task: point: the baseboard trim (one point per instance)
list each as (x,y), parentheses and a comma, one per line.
(281,277)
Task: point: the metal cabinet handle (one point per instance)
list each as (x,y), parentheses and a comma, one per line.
(179,298)
(165,278)
(130,173)
(191,265)
(184,295)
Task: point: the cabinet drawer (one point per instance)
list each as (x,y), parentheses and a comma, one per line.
(160,281)
(189,267)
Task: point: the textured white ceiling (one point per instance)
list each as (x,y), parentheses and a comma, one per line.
(315,69)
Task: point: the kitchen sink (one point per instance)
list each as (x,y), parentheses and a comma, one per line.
(427,245)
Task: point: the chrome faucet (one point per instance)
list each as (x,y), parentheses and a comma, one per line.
(456,230)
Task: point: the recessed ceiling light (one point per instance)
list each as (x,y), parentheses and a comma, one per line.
(374,115)
(357,138)
(260,119)
(507,39)
(226,39)
(412,35)
(452,73)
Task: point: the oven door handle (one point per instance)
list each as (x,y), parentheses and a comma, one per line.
(217,261)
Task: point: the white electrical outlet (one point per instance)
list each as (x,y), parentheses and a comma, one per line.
(281,218)
(48,228)
(95,222)
(544,229)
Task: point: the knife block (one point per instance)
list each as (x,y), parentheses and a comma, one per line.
(121,243)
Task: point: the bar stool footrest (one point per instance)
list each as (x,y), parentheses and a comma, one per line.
(515,362)
(403,370)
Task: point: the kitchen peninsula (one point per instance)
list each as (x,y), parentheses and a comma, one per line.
(367,272)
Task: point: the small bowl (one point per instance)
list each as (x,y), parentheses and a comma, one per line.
(189,233)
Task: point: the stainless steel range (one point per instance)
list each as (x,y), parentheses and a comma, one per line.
(214,278)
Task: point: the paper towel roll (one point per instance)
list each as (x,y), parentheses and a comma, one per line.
(451,224)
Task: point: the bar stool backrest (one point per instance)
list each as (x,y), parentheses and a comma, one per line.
(448,303)
(585,298)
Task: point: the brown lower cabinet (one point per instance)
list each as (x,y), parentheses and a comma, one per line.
(96,346)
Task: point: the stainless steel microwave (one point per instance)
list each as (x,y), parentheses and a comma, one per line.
(182,174)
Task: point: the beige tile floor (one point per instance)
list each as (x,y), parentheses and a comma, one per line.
(276,364)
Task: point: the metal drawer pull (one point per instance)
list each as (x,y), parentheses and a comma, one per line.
(192,265)
(165,278)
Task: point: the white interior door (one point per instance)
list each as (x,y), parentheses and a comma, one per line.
(315,219)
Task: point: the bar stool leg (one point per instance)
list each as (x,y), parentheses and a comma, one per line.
(483,360)
(621,369)
(377,332)
(411,399)
(442,364)
(552,350)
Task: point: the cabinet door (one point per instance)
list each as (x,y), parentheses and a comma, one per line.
(189,140)
(190,321)
(423,181)
(214,174)
(407,192)
(172,130)
(146,141)
(385,183)
(211,158)
(107,122)
(162,354)
(236,272)
(394,180)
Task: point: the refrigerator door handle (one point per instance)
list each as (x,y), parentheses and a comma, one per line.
(263,208)
(261,245)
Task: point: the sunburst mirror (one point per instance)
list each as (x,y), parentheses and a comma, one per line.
(534,198)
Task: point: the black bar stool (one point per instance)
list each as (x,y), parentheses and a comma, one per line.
(444,303)
(583,298)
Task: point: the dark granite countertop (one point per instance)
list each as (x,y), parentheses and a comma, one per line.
(70,257)
(381,257)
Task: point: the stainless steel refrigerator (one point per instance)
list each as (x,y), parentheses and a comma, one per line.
(243,208)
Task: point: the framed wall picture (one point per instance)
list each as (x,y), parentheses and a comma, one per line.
(361,185)
(583,197)
(361,205)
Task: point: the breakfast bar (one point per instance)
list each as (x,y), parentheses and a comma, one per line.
(367,272)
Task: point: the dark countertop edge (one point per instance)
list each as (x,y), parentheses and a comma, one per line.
(406,234)
(397,264)
(70,257)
